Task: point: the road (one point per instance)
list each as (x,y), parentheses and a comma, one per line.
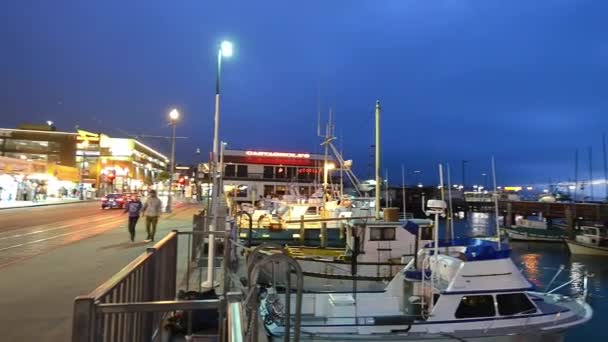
(49,255)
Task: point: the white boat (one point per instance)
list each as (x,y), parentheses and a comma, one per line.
(471,291)
(592,241)
(381,250)
(474,293)
(532,230)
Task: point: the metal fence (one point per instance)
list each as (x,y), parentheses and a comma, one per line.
(133,305)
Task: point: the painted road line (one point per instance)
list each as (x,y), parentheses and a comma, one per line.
(50,229)
(56,236)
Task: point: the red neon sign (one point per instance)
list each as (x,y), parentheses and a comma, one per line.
(278,154)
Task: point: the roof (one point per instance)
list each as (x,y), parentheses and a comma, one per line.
(477,249)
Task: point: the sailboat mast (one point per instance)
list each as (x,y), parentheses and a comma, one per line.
(591,171)
(403,190)
(575,173)
(386,198)
(605,165)
(495,192)
(378,180)
(450,234)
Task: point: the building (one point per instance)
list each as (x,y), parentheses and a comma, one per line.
(249,174)
(61,161)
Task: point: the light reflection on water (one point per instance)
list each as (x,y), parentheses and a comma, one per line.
(540,261)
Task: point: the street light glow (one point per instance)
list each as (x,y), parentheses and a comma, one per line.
(49,122)
(174,115)
(226,48)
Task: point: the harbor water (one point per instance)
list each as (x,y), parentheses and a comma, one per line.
(541,260)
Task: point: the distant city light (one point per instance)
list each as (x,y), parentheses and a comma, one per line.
(529,188)
(571,187)
(420,185)
(545,190)
(49,122)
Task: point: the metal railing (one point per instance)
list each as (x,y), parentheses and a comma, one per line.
(133,305)
(149,278)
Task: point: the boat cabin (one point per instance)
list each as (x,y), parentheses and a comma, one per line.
(594,236)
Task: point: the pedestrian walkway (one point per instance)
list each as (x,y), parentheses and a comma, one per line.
(50,282)
(48,201)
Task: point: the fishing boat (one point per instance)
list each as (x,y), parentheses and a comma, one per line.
(531,230)
(375,251)
(591,241)
(462,289)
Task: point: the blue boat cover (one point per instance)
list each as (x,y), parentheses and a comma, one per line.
(476,249)
(411,227)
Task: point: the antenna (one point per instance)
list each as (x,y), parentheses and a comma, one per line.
(319,110)
(591,172)
(496,202)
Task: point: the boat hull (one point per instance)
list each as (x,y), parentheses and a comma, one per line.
(579,248)
(517,235)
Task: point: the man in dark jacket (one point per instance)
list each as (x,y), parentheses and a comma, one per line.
(133,207)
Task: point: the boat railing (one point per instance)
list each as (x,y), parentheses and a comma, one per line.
(252,298)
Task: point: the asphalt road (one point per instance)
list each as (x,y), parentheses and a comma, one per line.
(49,255)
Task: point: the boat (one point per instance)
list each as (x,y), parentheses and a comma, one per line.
(473,293)
(462,289)
(531,230)
(375,251)
(591,241)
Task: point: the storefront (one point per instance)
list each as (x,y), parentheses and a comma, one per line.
(22,180)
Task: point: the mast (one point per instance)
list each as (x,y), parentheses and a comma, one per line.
(325,156)
(403,190)
(591,171)
(495,192)
(378,180)
(450,234)
(386,199)
(605,165)
(575,173)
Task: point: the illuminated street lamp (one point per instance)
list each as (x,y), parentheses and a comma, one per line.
(326,168)
(225,49)
(173,117)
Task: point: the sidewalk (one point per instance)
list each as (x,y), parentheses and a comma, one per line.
(48,201)
(37,295)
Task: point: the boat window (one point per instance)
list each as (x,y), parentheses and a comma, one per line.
(475,306)
(382,234)
(514,304)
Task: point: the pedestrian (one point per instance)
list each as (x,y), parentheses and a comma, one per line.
(134,208)
(152,210)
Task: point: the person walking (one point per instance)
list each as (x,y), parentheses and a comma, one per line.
(152,210)
(134,208)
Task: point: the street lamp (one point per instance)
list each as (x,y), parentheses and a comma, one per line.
(225,50)
(84,145)
(173,117)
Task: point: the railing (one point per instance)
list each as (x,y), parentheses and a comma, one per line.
(134,304)
(150,277)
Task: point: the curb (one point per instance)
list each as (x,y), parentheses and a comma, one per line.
(47,204)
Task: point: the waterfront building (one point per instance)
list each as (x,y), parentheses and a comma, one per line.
(249,174)
(58,162)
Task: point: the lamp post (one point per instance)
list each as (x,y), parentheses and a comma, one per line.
(84,146)
(173,117)
(225,50)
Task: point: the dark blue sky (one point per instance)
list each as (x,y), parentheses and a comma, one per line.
(524,80)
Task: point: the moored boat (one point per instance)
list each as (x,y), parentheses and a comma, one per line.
(529,230)
(591,241)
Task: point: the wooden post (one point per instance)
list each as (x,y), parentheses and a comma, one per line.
(324,235)
(569,221)
(509,216)
(302,228)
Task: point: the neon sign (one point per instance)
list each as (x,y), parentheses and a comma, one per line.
(278,154)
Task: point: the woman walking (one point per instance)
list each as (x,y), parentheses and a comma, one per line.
(133,207)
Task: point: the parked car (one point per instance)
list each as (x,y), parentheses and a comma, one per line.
(113,201)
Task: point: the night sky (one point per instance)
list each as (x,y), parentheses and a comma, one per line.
(525,81)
